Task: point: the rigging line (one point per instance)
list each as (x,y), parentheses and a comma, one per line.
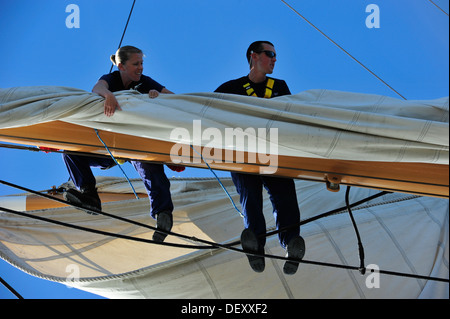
(386,272)
(115,161)
(124,30)
(180,235)
(60,151)
(438,7)
(218,179)
(191,238)
(100,232)
(23,148)
(228,246)
(341,48)
(11,289)
(362,268)
(326,214)
(115,235)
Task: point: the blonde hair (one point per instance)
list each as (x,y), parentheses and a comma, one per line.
(123,54)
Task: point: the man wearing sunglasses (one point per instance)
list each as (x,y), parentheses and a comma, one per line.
(261,56)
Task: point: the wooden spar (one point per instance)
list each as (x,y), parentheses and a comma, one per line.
(423,179)
(35,202)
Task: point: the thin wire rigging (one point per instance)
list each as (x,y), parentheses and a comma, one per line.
(124,30)
(341,48)
(438,7)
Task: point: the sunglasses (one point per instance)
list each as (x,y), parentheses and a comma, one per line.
(270,54)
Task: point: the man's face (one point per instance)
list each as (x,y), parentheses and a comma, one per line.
(263,62)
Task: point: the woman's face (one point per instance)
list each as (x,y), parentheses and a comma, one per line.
(134,66)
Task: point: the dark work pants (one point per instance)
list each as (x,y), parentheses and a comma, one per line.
(284,202)
(155,180)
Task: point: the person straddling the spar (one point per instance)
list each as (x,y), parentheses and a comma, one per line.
(129,61)
(261,57)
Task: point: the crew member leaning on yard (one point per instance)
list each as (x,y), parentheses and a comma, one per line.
(129,61)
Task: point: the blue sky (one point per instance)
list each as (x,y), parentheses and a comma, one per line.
(196,45)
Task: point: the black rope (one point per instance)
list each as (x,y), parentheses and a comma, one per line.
(124,30)
(11,289)
(343,50)
(362,268)
(439,8)
(100,232)
(317,263)
(326,214)
(212,245)
(104,214)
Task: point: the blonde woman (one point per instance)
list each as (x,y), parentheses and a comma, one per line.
(129,61)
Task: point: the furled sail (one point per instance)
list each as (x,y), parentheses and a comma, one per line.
(340,137)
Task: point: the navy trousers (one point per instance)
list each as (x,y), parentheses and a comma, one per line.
(284,202)
(155,180)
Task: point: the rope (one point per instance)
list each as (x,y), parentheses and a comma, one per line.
(100,213)
(362,268)
(211,244)
(115,161)
(100,232)
(331,212)
(115,235)
(124,30)
(342,49)
(439,7)
(11,289)
(218,179)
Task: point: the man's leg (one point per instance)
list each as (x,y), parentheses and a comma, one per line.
(285,206)
(253,239)
(287,214)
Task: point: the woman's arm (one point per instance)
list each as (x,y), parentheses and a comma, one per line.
(166,91)
(111,104)
(153,93)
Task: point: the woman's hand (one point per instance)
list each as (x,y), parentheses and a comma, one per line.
(153,93)
(111,105)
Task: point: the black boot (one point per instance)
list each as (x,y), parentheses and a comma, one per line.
(250,244)
(87,198)
(295,250)
(164,221)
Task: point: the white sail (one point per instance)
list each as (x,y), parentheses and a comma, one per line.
(314,124)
